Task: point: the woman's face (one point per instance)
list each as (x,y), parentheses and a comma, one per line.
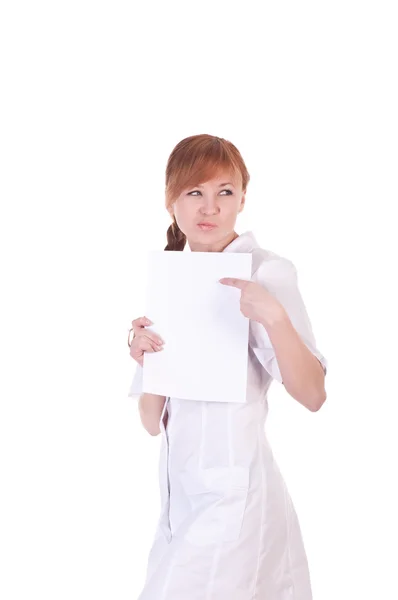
(207,213)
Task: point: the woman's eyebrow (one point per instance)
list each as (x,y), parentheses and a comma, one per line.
(221,184)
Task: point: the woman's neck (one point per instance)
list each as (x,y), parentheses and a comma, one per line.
(216,247)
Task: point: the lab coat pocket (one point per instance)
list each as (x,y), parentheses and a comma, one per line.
(218,497)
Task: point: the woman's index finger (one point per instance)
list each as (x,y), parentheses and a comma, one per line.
(234,282)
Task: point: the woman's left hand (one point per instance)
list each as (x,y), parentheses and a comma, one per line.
(256,303)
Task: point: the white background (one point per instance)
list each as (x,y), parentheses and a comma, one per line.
(95,95)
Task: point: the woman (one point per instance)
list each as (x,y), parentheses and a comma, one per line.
(228,529)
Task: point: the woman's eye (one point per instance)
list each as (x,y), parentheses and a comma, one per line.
(194,192)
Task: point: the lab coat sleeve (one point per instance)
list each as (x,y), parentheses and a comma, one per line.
(279,277)
(135,390)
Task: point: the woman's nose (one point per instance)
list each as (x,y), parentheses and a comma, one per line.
(209,206)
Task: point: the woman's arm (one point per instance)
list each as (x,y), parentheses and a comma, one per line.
(301,371)
(150,407)
(281,331)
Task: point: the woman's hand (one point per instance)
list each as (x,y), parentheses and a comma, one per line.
(256,303)
(144,340)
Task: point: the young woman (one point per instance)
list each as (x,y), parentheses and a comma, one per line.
(228,529)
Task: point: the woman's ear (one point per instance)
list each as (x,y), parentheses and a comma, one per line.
(242,203)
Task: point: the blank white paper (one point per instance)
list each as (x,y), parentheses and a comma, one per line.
(206,336)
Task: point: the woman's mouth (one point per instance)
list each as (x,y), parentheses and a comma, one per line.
(207,226)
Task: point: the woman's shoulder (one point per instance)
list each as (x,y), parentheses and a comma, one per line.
(267,263)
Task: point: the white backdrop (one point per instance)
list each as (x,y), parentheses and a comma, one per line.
(95,95)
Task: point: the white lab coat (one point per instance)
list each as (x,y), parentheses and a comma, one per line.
(228,529)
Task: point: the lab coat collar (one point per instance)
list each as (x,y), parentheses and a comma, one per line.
(245,242)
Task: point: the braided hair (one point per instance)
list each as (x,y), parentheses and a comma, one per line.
(176,239)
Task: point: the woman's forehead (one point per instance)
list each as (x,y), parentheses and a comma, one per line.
(223,177)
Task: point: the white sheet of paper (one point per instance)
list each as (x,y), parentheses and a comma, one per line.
(206,336)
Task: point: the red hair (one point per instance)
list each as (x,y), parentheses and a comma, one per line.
(194,160)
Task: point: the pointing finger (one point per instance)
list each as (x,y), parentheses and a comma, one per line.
(238,283)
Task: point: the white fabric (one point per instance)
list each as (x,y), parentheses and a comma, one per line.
(228,529)
(279,276)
